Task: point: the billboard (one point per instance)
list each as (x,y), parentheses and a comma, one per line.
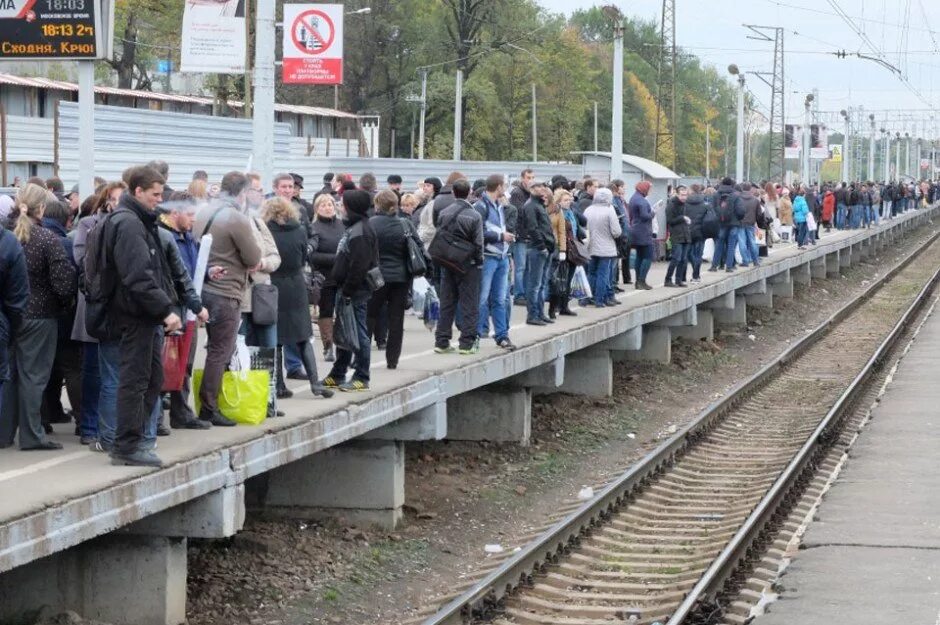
(818,142)
(792,140)
(213,37)
(313,44)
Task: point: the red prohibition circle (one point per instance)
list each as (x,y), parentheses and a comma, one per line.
(300,20)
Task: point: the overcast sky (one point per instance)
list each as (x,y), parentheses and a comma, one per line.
(714,31)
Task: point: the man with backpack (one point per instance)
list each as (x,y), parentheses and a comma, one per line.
(140,294)
(457,249)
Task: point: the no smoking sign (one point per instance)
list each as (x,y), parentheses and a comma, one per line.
(313,44)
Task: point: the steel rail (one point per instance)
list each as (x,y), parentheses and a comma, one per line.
(736,551)
(554,541)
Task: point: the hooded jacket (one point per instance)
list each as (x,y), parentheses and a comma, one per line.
(356,253)
(604,228)
(696,209)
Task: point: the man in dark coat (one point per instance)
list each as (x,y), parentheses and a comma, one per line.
(461,289)
(541,247)
(746,211)
(680,235)
(142,300)
(515,223)
(727,240)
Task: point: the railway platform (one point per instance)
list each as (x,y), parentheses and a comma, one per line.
(70,516)
(873,553)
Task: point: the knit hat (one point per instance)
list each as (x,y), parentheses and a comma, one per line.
(436,182)
(644,186)
(603,196)
(394,179)
(357,202)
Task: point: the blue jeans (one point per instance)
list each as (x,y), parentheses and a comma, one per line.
(363,355)
(109,364)
(149,441)
(731,245)
(292,361)
(599,276)
(534,275)
(91,389)
(749,251)
(695,257)
(493,290)
(679,261)
(721,246)
(841,214)
(856,219)
(801,232)
(520,252)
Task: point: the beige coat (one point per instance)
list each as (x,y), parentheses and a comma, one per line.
(785,211)
(270,260)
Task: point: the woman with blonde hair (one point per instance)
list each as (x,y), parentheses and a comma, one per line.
(199,190)
(293,311)
(52,286)
(326,231)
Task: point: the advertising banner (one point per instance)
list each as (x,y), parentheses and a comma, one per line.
(213,37)
(313,44)
(818,142)
(792,140)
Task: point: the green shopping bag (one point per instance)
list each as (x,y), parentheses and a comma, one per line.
(244,396)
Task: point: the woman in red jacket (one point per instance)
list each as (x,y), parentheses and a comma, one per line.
(829,209)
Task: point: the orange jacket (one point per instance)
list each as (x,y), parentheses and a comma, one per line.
(829,206)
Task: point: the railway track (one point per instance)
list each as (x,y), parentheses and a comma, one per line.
(691,532)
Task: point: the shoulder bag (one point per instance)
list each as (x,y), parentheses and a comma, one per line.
(263,297)
(448,249)
(417,266)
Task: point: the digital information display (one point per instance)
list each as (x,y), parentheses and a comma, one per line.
(55,29)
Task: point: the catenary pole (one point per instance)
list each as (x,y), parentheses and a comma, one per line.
(262,126)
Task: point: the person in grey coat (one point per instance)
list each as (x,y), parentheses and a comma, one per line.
(604,226)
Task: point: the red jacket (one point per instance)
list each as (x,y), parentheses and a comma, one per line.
(829,207)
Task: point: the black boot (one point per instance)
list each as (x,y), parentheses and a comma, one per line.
(310,364)
(282,391)
(552,308)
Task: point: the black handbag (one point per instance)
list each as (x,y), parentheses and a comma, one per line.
(263,304)
(375,279)
(448,249)
(345,333)
(315,287)
(417,266)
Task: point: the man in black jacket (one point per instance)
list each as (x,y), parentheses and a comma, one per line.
(14,294)
(142,300)
(461,288)
(357,253)
(515,223)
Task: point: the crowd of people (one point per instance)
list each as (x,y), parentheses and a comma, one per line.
(93,289)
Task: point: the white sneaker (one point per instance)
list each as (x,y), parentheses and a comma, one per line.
(696,280)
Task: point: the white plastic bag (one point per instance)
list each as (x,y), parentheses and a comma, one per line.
(810,221)
(240,364)
(419,290)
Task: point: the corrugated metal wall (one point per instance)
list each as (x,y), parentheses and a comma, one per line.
(29,139)
(125,137)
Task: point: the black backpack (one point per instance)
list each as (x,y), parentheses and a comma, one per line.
(98,286)
(711,224)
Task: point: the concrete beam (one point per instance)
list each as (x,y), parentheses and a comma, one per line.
(732,318)
(362,481)
(803,274)
(219,514)
(550,375)
(755,288)
(846,257)
(118,579)
(657,346)
(761,300)
(629,341)
(781,285)
(819,267)
(704,329)
(833,263)
(726,302)
(427,424)
(590,372)
(495,413)
(687,317)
